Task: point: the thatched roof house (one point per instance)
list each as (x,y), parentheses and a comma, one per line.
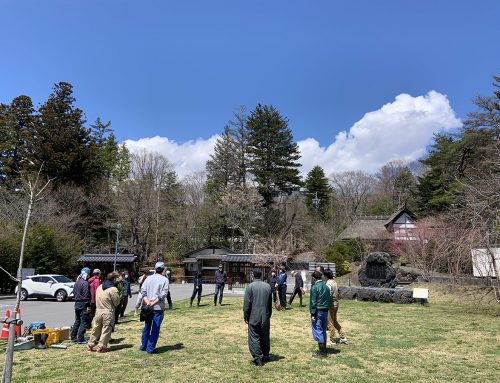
(381,229)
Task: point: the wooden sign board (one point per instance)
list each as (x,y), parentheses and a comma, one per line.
(420,293)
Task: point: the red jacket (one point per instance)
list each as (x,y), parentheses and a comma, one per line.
(94,284)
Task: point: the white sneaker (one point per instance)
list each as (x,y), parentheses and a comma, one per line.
(343,340)
(331,342)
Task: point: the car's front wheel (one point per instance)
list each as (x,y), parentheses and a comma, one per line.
(24,294)
(61,295)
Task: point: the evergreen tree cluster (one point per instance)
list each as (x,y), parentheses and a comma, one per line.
(55,135)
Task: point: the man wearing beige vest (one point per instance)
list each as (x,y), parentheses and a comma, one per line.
(107,300)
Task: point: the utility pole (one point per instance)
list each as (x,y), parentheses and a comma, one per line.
(118,229)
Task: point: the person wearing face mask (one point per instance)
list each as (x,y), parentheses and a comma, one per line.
(299,285)
(272,279)
(197,288)
(81,293)
(220,282)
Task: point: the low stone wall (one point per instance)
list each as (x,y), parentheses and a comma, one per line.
(376,294)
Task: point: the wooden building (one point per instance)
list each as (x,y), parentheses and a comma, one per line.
(105,262)
(380,230)
(206,259)
(237,266)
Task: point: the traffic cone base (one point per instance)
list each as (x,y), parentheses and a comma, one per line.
(5,328)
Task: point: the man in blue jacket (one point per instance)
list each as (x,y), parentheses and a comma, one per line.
(282,287)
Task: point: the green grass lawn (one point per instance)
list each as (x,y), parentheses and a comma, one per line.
(387,343)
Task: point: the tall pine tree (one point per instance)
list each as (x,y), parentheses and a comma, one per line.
(272,154)
(222,168)
(17,128)
(63,144)
(228,165)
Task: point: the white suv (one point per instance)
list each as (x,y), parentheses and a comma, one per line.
(47,286)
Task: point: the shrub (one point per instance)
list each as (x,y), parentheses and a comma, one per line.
(339,254)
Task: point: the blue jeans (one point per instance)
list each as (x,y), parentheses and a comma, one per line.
(82,316)
(218,289)
(151,331)
(319,326)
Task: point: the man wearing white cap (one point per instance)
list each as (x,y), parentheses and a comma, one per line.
(153,291)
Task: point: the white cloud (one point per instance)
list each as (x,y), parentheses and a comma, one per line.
(187,157)
(399,130)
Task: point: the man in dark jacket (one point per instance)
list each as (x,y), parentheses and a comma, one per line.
(272,279)
(318,307)
(81,293)
(282,287)
(220,282)
(257,310)
(299,285)
(197,287)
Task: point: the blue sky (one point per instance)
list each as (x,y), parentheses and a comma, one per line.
(179,69)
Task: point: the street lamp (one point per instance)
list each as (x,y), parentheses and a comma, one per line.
(118,228)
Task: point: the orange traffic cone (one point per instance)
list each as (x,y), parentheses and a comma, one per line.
(5,328)
(18,326)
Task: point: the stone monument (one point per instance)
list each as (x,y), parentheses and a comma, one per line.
(377,271)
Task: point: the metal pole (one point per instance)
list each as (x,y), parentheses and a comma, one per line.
(118,228)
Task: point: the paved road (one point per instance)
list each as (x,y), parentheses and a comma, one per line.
(56,314)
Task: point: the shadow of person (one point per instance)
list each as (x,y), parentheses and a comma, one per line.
(120,347)
(275,358)
(203,305)
(169,347)
(332,351)
(117,340)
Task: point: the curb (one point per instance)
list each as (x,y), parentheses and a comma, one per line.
(5,297)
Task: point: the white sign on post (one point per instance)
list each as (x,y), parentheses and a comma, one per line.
(420,293)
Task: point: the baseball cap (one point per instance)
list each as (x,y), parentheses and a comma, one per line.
(159,265)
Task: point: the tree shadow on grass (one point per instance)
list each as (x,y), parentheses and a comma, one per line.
(120,347)
(170,347)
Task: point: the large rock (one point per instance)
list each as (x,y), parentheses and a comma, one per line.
(376,294)
(377,271)
(408,274)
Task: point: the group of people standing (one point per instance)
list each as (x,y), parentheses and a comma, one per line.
(323,308)
(103,304)
(94,304)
